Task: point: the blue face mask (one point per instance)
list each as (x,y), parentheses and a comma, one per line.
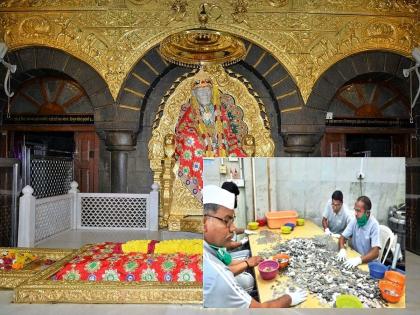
(222,254)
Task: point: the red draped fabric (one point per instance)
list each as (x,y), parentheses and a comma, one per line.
(191,147)
(106,262)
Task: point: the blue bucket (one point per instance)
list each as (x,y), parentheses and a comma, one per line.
(377,270)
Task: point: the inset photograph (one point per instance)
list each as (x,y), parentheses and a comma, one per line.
(304,232)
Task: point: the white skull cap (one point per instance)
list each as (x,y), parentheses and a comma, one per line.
(219,196)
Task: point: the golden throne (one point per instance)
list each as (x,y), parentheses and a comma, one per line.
(179,210)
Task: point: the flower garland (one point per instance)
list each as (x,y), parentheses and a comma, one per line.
(187,247)
(15,260)
(138,246)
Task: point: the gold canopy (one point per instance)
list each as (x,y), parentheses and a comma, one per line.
(199,47)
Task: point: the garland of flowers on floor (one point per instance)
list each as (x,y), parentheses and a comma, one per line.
(187,247)
(10,259)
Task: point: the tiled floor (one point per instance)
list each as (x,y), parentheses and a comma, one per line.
(75,239)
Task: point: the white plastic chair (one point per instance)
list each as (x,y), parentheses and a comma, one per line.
(386,236)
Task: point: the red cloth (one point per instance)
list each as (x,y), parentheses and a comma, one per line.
(190,147)
(106,262)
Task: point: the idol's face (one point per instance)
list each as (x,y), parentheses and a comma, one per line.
(203,95)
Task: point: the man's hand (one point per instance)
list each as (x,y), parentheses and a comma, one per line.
(254,261)
(342,255)
(297,296)
(353,262)
(327,231)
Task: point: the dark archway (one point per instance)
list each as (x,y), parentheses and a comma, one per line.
(370,95)
(40,61)
(351,67)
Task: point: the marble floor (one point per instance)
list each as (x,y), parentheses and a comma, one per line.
(75,239)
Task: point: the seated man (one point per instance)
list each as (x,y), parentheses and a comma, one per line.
(336,215)
(220,287)
(364,231)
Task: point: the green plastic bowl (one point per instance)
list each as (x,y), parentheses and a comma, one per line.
(348,301)
(286,229)
(300,222)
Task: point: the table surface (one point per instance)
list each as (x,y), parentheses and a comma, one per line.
(268,289)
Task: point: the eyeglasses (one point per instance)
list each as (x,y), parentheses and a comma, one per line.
(227,221)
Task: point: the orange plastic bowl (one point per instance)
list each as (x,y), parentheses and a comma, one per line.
(390,291)
(396,277)
(283,260)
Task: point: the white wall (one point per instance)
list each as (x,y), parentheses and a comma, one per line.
(305,184)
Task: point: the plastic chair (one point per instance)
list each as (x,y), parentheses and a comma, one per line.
(386,237)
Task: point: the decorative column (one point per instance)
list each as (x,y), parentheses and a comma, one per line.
(120,143)
(301,144)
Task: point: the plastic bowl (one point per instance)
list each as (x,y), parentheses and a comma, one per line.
(253,225)
(348,301)
(300,222)
(390,291)
(283,260)
(286,229)
(275,219)
(268,269)
(262,221)
(396,277)
(377,270)
(291,225)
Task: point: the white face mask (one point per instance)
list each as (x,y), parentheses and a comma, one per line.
(203,95)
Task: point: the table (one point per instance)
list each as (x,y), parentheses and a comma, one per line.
(265,287)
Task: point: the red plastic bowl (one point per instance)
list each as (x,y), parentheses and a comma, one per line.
(268,269)
(262,221)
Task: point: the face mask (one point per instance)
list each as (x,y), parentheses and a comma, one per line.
(362,221)
(223,255)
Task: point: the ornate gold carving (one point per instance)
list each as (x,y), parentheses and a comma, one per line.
(12,278)
(249,145)
(277,3)
(240,9)
(179,10)
(192,224)
(315,34)
(380,30)
(35,26)
(41,289)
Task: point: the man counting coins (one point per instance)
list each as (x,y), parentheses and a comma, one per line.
(220,287)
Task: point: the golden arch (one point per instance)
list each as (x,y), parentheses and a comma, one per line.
(176,210)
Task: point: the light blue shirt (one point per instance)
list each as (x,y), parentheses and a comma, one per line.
(220,288)
(363,238)
(337,222)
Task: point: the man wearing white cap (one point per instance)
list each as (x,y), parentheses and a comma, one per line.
(220,286)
